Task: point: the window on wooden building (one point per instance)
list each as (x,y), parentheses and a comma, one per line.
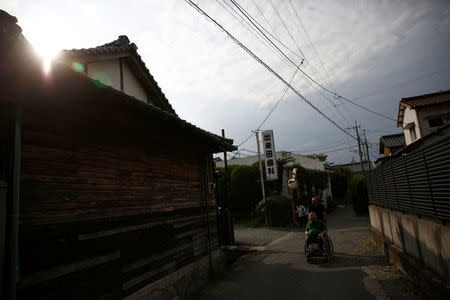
(436,122)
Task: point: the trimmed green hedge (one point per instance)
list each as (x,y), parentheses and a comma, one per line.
(359,195)
(340,179)
(245,188)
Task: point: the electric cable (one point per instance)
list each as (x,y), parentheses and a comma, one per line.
(260,61)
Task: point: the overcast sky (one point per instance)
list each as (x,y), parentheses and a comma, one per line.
(378,50)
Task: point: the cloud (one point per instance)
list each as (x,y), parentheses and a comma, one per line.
(213,83)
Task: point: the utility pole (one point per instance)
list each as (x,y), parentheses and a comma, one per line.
(262,176)
(359,148)
(367,150)
(228,188)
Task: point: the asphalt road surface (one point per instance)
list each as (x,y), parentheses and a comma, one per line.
(279,269)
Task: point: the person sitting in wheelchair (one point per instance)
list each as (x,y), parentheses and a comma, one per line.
(315,230)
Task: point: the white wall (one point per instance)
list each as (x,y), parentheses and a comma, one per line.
(426,239)
(108,72)
(308,163)
(410,116)
(105,71)
(131,85)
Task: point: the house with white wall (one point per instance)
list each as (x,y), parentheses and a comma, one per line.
(419,116)
(118,65)
(305,162)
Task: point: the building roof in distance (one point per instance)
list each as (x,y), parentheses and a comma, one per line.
(392,140)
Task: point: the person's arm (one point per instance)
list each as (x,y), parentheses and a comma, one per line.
(324,230)
(308,227)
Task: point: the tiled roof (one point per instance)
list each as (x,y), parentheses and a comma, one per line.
(421,101)
(428,99)
(120,46)
(392,140)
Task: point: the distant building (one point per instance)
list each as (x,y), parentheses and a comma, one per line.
(421,115)
(305,162)
(355,167)
(390,144)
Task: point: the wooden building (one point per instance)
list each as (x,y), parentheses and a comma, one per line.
(101,194)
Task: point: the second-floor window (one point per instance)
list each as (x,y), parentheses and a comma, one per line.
(436,122)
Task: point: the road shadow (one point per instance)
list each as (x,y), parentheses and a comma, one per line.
(354,260)
(259,279)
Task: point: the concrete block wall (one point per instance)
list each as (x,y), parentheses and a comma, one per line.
(426,239)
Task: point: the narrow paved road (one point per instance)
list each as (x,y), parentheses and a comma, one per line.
(280,270)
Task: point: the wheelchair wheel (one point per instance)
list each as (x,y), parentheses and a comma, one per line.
(330,242)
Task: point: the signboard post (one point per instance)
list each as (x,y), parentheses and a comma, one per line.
(269,151)
(262,178)
(292,184)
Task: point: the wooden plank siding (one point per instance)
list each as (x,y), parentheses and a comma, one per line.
(109,204)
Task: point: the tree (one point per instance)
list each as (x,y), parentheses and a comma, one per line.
(320,156)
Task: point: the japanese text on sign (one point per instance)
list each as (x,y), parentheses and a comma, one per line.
(269,151)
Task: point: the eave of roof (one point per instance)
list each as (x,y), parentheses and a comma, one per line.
(121,47)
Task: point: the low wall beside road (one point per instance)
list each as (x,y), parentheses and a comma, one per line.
(425,239)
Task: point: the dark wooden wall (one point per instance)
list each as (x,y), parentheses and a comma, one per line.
(109,203)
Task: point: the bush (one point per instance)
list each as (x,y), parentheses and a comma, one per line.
(245,188)
(358,194)
(279,208)
(339,183)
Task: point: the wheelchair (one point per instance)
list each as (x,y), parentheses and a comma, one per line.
(319,248)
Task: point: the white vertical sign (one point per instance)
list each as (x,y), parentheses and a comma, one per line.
(269,151)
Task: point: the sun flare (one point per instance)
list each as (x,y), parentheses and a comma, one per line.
(47,52)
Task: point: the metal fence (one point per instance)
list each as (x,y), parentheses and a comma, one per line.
(418,182)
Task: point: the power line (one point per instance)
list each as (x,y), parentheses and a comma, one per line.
(312,45)
(379,91)
(253,21)
(318,57)
(320,148)
(257,26)
(335,94)
(196,7)
(284,24)
(260,27)
(272,110)
(253,32)
(337,150)
(279,100)
(245,141)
